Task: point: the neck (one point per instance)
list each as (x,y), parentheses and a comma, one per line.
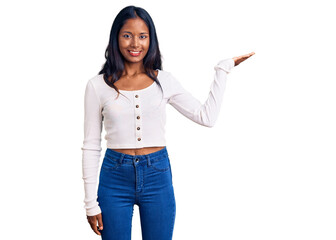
(132,69)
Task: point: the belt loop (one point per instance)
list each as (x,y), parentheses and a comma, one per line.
(121,158)
(148,160)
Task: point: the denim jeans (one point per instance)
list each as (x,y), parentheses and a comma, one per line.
(144,180)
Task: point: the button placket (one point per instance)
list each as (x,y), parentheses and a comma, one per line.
(138,120)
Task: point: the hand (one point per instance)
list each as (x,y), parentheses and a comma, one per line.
(93,223)
(242,58)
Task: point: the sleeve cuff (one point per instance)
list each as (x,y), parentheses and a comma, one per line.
(93,211)
(226,65)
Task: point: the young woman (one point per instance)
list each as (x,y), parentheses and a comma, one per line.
(129,95)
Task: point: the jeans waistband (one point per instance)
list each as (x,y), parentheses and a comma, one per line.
(127,158)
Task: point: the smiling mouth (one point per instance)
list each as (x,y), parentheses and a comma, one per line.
(134,53)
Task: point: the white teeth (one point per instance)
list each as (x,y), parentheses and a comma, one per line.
(134,52)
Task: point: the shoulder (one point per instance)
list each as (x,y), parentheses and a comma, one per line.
(98,85)
(165,77)
(169,82)
(96,80)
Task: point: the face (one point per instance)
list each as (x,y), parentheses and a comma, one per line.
(134,40)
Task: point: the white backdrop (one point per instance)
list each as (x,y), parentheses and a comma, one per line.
(265,171)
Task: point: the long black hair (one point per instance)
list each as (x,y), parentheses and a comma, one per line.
(114,65)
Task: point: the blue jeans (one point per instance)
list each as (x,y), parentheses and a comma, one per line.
(145,180)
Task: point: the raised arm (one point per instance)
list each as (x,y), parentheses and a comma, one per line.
(91,149)
(204,114)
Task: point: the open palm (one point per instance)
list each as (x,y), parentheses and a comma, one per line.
(242,58)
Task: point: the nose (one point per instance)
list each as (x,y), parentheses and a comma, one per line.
(135,42)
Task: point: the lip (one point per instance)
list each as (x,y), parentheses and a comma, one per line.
(133,54)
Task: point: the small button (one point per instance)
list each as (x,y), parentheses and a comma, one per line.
(138,128)
(137,159)
(136,96)
(139,139)
(138,117)
(137,106)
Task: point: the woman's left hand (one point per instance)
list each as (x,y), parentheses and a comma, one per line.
(242,58)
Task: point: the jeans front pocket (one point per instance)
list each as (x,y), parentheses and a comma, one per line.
(110,164)
(161,164)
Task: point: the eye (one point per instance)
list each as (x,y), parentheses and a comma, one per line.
(127,36)
(143,36)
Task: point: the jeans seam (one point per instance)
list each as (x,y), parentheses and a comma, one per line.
(111,168)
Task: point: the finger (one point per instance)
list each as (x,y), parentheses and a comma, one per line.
(95,229)
(93,224)
(100,222)
(239,59)
(248,55)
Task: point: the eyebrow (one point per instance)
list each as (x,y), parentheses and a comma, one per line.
(132,33)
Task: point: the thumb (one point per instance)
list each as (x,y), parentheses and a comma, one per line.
(100,222)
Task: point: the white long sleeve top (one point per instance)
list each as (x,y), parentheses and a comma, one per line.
(138,119)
